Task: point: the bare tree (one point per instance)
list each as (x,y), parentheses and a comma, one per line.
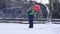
(51,7)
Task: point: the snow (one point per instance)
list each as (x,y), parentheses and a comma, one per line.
(16,28)
(41,1)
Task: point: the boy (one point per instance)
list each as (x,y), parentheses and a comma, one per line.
(30,17)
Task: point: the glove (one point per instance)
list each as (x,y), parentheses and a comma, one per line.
(35,14)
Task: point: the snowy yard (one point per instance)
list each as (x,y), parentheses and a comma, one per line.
(16,28)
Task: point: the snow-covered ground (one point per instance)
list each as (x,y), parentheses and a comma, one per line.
(16,28)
